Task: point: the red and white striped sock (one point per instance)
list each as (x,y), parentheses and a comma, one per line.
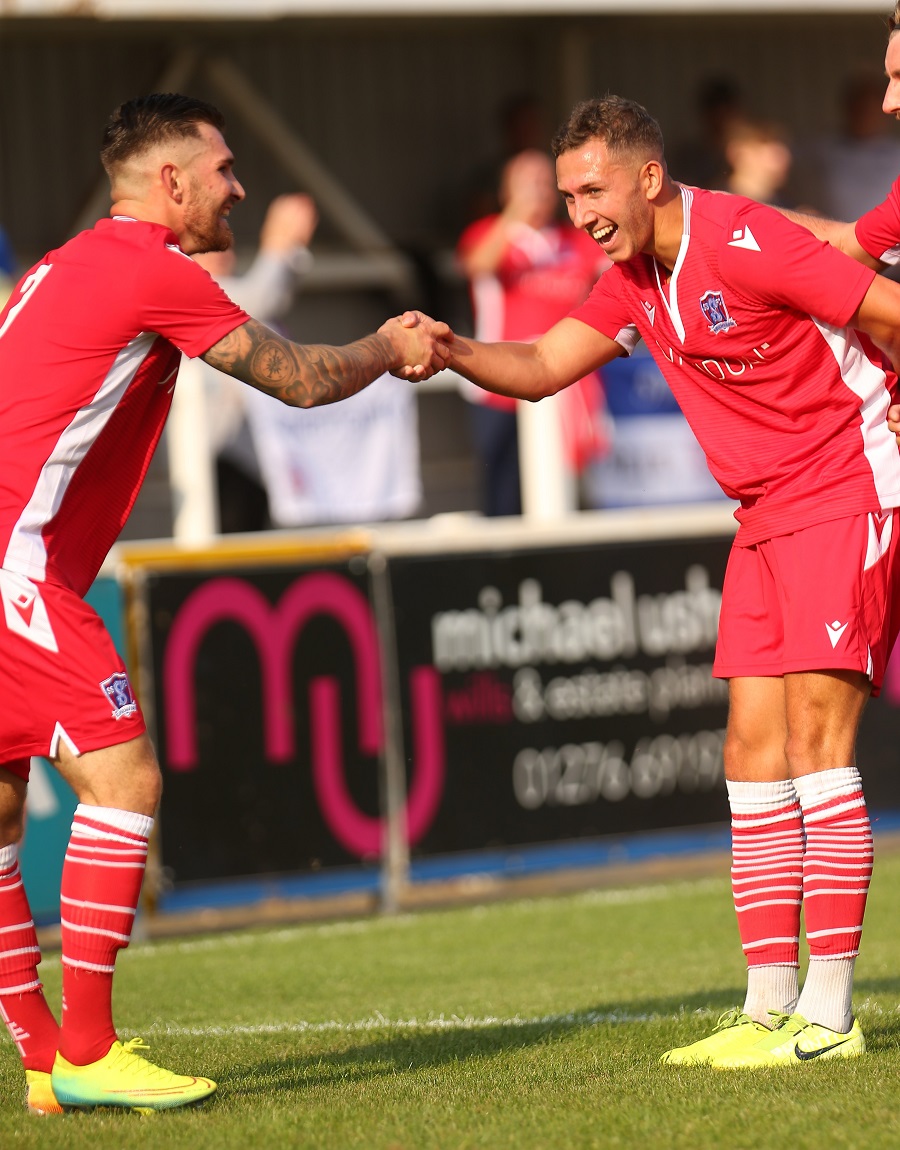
(837,867)
(23,1007)
(766,880)
(101,885)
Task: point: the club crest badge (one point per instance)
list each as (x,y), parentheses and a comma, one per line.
(118,690)
(713,307)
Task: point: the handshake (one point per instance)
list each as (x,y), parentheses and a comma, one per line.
(422,345)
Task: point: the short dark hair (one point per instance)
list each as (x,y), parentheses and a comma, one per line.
(893,20)
(149,120)
(623,125)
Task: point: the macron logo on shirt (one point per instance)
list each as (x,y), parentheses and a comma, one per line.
(650,309)
(744,238)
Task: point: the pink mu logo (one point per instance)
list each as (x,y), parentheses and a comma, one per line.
(275,631)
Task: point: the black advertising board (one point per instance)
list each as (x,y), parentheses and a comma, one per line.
(563,692)
(268,718)
(540,694)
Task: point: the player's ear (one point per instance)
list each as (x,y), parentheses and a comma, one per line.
(652,177)
(172,180)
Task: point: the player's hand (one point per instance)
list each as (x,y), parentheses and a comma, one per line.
(893,420)
(422,345)
(290,222)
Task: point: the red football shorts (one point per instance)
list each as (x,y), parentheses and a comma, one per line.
(61,678)
(820,599)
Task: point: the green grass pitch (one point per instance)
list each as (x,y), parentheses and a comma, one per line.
(527,1025)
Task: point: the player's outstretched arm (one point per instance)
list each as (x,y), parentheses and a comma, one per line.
(838,233)
(568,352)
(879,317)
(307,375)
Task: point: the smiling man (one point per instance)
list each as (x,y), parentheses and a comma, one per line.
(751,318)
(90,344)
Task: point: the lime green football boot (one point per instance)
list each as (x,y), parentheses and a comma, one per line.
(125,1080)
(794,1042)
(734,1031)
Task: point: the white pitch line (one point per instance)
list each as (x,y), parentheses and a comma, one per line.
(380,1022)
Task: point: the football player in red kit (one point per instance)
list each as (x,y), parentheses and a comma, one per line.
(90,343)
(755,324)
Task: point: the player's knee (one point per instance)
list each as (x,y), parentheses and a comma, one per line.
(753,758)
(12,827)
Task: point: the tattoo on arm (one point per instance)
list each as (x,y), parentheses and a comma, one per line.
(301,375)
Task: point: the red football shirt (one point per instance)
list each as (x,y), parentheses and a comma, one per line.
(90,344)
(878,231)
(788,404)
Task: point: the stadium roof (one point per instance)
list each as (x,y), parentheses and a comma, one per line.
(269,9)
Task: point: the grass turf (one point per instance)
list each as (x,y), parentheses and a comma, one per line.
(529,1025)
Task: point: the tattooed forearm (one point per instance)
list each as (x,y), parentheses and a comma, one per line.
(302,375)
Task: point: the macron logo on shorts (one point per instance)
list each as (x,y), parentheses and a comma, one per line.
(835,630)
(24,610)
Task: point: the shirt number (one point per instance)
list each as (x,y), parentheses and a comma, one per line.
(28,287)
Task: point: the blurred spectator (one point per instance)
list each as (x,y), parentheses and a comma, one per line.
(521,125)
(850,173)
(759,160)
(523,128)
(527,270)
(700,161)
(266,290)
(279,466)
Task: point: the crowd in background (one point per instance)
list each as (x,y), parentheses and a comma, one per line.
(625,442)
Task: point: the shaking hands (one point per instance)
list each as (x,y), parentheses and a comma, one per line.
(422,345)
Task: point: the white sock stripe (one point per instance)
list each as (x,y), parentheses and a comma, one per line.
(816,815)
(17,926)
(112,819)
(810,874)
(837,930)
(80,928)
(746,874)
(104,906)
(837,836)
(767,902)
(96,967)
(110,846)
(23,988)
(756,891)
(4,954)
(830,957)
(790,939)
(79,851)
(118,864)
(769,852)
(858,874)
(850,848)
(807,894)
(750,821)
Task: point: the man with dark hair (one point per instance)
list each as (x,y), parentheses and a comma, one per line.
(751,319)
(90,344)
